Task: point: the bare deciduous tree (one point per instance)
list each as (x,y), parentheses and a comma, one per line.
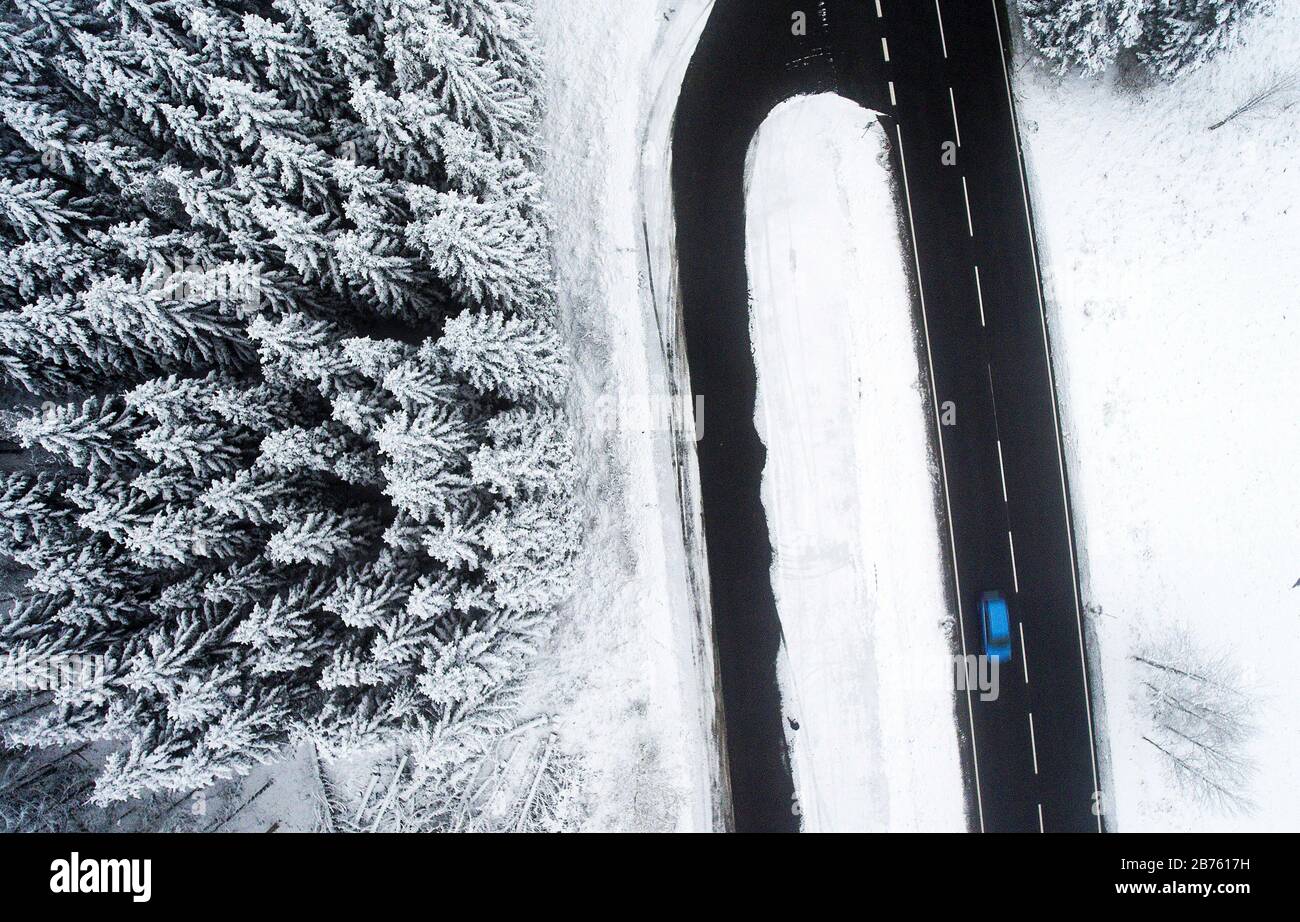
(1279,93)
(1201,719)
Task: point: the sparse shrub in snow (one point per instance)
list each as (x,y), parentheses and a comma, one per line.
(45,792)
(1167,36)
(1200,719)
(521,780)
(268,519)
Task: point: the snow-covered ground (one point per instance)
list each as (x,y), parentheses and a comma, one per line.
(849,487)
(629,676)
(1172,266)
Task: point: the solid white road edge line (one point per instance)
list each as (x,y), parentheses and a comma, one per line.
(943,467)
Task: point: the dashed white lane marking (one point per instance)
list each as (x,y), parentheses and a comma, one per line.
(1024,656)
(1033,742)
(942,38)
(1051,380)
(965,194)
(893,100)
(943,467)
(1002,471)
(1015,576)
(884,47)
(955,127)
(1040,818)
(979,290)
(879,13)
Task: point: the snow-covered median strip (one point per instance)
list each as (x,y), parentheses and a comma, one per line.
(849,486)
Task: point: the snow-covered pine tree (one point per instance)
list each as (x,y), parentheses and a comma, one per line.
(503,29)
(1181,35)
(1082,35)
(518,358)
(97,434)
(488,251)
(530,452)
(426,49)
(30,509)
(1168,37)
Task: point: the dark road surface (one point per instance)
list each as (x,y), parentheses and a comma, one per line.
(935,74)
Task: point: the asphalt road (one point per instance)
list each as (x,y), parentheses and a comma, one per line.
(935,72)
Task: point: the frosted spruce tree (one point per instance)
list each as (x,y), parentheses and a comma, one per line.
(1082,35)
(278,338)
(1183,34)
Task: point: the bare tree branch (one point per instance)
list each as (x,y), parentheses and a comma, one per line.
(1279,91)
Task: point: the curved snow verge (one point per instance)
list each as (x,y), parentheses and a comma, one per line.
(849,486)
(628,682)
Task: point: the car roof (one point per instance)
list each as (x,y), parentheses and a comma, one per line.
(999,621)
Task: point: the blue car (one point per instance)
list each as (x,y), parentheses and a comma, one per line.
(995,622)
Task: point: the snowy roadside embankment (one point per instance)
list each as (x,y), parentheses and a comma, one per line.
(628,678)
(1172,261)
(849,486)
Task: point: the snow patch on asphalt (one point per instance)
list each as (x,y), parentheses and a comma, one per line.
(850,484)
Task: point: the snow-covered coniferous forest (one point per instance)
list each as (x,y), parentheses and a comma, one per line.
(284,458)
